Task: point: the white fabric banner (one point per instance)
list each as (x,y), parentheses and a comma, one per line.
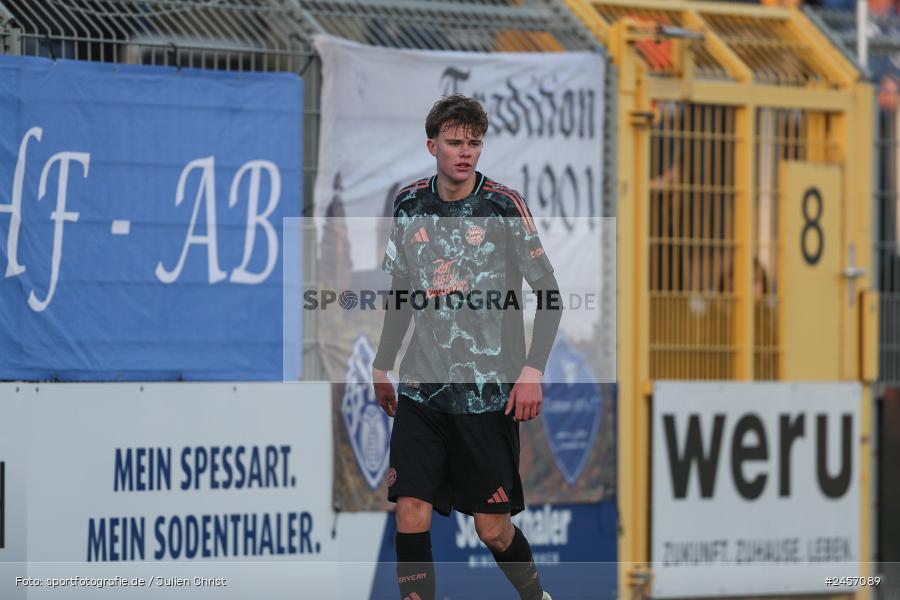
(545,140)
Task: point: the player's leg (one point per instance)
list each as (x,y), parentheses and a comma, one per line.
(512,552)
(413,515)
(416,482)
(415,565)
(484,466)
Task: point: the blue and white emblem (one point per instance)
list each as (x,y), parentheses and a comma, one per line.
(573,408)
(368,427)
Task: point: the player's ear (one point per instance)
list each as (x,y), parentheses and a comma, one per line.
(432,146)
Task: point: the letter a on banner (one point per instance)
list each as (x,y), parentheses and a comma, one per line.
(206,192)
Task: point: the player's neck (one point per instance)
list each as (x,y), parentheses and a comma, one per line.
(449,190)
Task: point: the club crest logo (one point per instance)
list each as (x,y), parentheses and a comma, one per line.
(368,427)
(573,408)
(475,235)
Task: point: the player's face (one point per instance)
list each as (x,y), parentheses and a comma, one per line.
(457,150)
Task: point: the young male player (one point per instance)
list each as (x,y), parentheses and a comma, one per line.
(465,379)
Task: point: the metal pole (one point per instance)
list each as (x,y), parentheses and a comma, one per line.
(862,32)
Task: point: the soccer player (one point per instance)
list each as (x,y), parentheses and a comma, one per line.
(459,239)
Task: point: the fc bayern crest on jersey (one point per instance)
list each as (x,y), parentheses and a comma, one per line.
(368,427)
(475,235)
(573,408)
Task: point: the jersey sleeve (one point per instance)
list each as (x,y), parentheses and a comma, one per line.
(394,258)
(529,251)
(393,329)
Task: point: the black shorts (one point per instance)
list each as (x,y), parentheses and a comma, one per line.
(469,463)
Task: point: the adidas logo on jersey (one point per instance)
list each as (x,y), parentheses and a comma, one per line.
(421,236)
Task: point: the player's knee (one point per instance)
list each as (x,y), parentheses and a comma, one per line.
(494,531)
(413,515)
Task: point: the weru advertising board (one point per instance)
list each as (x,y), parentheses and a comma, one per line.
(756,487)
(140,215)
(217,490)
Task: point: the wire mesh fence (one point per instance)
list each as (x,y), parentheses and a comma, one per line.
(887,246)
(276,35)
(692,242)
(467,26)
(781,135)
(237,35)
(770,48)
(709,156)
(884,69)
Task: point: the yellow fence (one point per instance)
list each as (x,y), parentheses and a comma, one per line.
(744,181)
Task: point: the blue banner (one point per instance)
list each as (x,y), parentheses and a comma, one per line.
(573,408)
(141,220)
(574,547)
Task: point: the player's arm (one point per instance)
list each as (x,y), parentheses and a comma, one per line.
(393,330)
(526,397)
(546,322)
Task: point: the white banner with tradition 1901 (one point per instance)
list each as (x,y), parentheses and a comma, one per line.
(545,140)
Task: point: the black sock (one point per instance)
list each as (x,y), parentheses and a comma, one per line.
(415,567)
(517,564)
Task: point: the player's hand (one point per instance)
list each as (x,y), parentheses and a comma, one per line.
(526,397)
(384,392)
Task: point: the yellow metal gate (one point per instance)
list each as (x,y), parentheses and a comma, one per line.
(744,158)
